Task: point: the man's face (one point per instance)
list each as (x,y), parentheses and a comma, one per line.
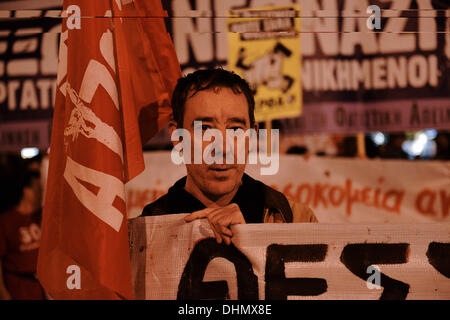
(220,109)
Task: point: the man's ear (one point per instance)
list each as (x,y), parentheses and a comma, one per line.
(172,127)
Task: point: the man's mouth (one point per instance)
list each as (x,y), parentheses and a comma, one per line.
(220,168)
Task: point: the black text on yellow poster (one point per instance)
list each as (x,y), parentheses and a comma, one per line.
(264,48)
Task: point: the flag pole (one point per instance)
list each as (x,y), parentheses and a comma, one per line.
(361,145)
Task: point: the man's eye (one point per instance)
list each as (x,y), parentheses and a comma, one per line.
(205,127)
(236,128)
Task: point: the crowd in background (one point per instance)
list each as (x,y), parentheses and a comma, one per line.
(393,147)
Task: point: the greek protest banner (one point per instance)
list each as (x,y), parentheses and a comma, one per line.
(172,259)
(264,49)
(338,190)
(354,78)
(28,67)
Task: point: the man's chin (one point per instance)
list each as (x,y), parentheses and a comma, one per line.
(219,188)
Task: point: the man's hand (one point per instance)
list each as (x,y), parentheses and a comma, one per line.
(220,220)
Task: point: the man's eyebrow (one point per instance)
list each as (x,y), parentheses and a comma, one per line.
(238,120)
(203,119)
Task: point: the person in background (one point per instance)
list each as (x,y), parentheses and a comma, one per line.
(20,237)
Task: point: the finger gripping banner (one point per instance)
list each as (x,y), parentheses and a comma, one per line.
(172,259)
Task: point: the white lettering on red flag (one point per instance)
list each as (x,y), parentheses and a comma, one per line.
(96,144)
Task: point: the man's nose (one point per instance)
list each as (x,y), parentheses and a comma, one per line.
(226,148)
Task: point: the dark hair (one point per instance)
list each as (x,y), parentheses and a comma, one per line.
(209,79)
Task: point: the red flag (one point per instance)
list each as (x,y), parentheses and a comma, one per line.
(109,81)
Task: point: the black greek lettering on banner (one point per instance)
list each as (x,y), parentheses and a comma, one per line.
(439,257)
(278,287)
(357,257)
(192,286)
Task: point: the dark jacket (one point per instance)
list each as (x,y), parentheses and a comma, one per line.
(257,202)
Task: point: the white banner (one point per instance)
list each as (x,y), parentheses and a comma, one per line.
(172,259)
(338,190)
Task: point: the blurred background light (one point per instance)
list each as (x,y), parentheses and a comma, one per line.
(421,144)
(431,133)
(28,153)
(378,137)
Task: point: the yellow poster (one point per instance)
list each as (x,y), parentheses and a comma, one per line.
(264,48)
